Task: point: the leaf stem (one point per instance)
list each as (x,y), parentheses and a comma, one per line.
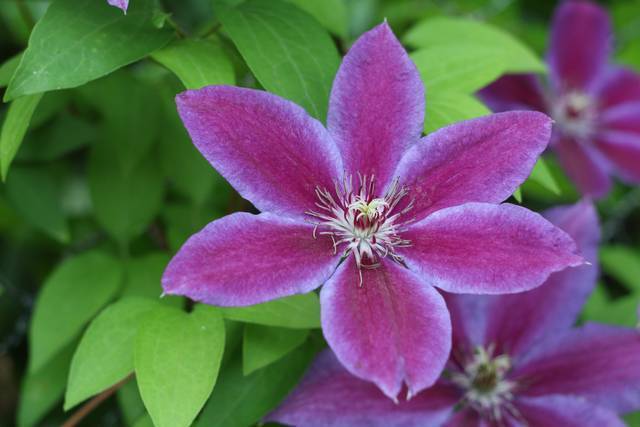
(88,407)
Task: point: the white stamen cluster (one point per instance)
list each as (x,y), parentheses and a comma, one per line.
(366,226)
(485,386)
(575,114)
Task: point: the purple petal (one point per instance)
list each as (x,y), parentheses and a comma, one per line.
(622,118)
(376,108)
(466,417)
(330,396)
(481,248)
(565,411)
(580,44)
(516,322)
(622,149)
(583,166)
(268,148)
(392,329)
(468,321)
(514,92)
(245,259)
(617,86)
(598,362)
(122,4)
(479,160)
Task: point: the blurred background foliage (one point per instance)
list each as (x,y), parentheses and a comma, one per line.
(105,186)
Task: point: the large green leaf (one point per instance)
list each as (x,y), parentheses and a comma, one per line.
(105,353)
(131,111)
(264,345)
(8,68)
(332,14)
(14,129)
(125,202)
(77,41)
(70,297)
(447,108)
(34,194)
(240,401)
(177,357)
(143,275)
(623,263)
(471,35)
(297,311)
(197,63)
(41,390)
(543,176)
(455,68)
(288,51)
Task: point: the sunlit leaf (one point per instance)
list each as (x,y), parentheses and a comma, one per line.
(297,311)
(263,345)
(177,357)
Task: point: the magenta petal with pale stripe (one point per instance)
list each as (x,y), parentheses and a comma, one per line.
(245,259)
(599,362)
(121,4)
(479,160)
(565,411)
(622,149)
(617,86)
(487,249)
(329,396)
(514,92)
(580,44)
(584,166)
(516,323)
(376,110)
(394,329)
(268,148)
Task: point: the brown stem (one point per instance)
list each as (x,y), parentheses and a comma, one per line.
(93,403)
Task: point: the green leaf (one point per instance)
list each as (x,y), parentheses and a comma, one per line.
(125,202)
(447,108)
(239,401)
(105,353)
(471,35)
(264,345)
(197,63)
(70,297)
(130,402)
(65,134)
(143,276)
(297,312)
(41,390)
(7,69)
(77,41)
(332,14)
(131,111)
(518,195)
(34,194)
(290,54)
(454,68)
(14,128)
(177,357)
(621,311)
(543,176)
(623,263)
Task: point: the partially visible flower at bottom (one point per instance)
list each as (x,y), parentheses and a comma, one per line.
(121,4)
(516,362)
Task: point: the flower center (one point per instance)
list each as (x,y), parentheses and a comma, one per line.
(484,383)
(360,223)
(575,114)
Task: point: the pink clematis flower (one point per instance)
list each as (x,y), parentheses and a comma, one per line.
(121,4)
(516,362)
(596,106)
(369,210)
